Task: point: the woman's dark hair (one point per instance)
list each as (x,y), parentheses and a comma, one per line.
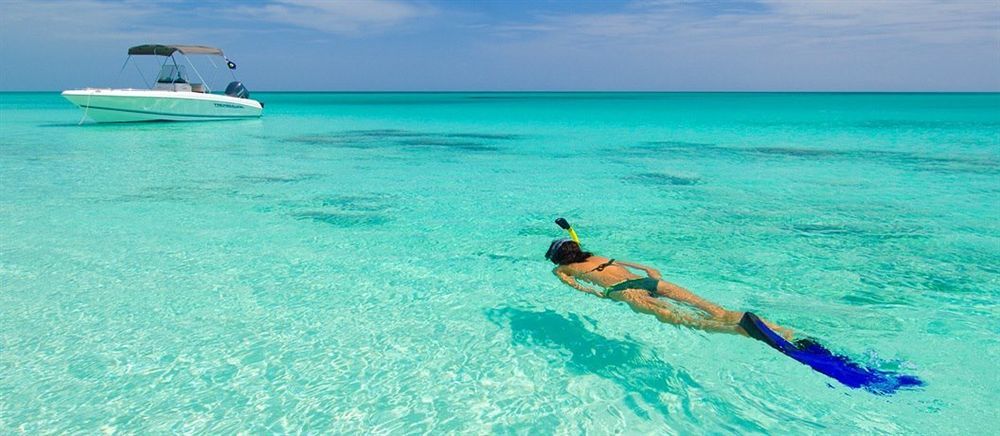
(569,252)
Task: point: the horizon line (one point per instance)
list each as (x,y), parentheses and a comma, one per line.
(566,91)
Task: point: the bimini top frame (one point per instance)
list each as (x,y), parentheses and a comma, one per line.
(169,50)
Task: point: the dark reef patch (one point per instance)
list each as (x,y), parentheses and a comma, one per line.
(362,210)
(179,193)
(385,133)
(343,219)
(505,257)
(823,230)
(448,144)
(660,179)
(796,152)
(673,149)
(357,203)
(408,140)
(889,124)
(974,164)
(316,139)
(869,235)
(671,145)
(490,136)
(278,179)
(913,161)
(905,160)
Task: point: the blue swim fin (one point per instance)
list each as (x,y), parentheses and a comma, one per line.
(840,368)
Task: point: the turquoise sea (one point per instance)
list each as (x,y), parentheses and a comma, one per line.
(373,263)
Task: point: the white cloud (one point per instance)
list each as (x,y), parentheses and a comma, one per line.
(69,20)
(348,17)
(643,44)
(928,21)
(768,44)
(133,21)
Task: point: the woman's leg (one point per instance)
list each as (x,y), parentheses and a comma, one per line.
(640,301)
(737,316)
(677,293)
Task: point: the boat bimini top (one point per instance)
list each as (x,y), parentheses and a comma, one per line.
(173,76)
(168,50)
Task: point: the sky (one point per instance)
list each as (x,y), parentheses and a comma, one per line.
(544,45)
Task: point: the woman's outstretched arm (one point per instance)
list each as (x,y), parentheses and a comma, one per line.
(569,280)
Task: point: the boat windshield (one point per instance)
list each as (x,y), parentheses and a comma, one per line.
(172,74)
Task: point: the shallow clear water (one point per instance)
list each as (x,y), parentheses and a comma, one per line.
(373,262)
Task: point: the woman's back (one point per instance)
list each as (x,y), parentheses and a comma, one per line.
(600,271)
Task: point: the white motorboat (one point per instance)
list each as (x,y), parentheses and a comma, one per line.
(174,97)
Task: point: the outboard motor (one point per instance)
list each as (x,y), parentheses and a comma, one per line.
(236,89)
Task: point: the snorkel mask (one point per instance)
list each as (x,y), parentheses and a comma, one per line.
(555,246)
(558,243)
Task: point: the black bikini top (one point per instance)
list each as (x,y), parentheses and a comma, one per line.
(601,267)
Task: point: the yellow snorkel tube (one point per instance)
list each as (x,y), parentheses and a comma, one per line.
(561,222)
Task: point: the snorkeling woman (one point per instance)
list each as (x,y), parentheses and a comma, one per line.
(642,294)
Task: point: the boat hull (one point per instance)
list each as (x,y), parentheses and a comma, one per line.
(135,105)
